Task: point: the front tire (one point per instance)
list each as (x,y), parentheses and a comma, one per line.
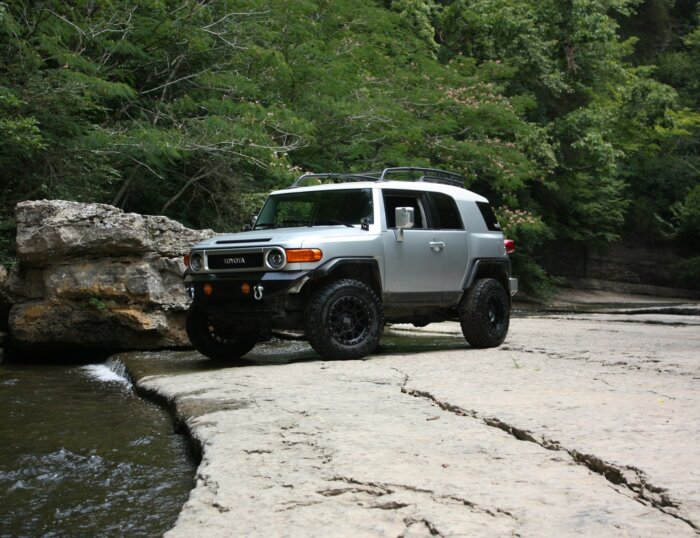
(484,314)
(211,341)
(344,320)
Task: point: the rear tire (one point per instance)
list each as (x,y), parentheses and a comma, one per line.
(344,320)
(484,314)
(212,341)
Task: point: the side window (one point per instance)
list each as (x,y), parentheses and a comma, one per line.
(489,216)
(394,199)
(447,212)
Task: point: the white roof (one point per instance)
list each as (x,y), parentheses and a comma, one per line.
(455,192)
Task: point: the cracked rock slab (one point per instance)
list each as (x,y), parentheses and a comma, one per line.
(570,428)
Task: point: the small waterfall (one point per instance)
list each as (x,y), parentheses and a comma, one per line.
(112,371)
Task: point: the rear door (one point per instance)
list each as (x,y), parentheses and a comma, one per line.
(447,218)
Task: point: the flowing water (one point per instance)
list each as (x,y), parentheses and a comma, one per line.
(82,455)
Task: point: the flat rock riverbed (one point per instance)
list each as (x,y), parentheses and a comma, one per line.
(579,424)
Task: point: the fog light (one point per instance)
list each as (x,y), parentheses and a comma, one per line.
(208,289)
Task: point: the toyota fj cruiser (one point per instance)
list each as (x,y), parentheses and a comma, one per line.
(339,255)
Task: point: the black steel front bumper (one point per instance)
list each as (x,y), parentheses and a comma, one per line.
(249,301)
(243,288)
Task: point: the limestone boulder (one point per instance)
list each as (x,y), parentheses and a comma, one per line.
(49,230)
(92,276)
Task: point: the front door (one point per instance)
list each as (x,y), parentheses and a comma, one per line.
(414,267)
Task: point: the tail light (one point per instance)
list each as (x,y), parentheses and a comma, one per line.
(510,246)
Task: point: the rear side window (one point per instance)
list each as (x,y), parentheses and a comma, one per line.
(447,212)
(489,216)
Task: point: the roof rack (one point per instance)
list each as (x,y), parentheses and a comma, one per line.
(335,177)
(431,175)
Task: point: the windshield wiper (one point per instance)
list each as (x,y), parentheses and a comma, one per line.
(340,222)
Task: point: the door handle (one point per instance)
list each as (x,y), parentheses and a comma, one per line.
(437,245)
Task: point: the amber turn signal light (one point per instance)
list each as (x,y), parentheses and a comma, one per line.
(296,255)
(186,259)
(208,289)
(245,288)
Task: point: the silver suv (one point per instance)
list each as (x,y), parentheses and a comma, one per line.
(339,255)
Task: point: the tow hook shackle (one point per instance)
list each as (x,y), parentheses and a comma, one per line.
(258,292)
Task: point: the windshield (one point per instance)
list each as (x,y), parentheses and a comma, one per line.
(317,208)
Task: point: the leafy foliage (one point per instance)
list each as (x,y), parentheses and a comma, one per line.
(192,109)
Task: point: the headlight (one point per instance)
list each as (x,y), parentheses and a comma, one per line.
(276,258)
(196,262)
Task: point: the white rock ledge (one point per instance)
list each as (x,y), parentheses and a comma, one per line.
(583,426)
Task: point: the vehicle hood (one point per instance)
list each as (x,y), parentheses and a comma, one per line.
(285,237)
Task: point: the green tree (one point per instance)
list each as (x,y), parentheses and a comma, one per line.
(178,107)
(581,115)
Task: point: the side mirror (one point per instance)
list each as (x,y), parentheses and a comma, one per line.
(405,218)
(249,227)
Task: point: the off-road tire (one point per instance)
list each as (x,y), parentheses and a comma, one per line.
(344,320)
(484,314)
(212,343)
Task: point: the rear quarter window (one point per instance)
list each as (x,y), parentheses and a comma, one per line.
(447,212)
(489,216)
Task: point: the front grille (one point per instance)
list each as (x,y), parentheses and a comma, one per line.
(245,260)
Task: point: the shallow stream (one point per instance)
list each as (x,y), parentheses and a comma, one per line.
(82,455)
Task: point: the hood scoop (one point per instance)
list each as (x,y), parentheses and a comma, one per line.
(242,241)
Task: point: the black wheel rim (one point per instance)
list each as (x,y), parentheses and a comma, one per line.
(496,315)
(349,320)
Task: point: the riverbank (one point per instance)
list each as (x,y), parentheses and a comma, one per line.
(579,424)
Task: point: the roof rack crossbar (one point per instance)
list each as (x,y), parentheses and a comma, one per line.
(334,177)
(432,175)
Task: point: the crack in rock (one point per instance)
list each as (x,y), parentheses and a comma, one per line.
(297,504)
(630,477)
(379,489)
(393,505)
(475,507)
(409,522)
(675,323)
(221,508)
(334,492)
